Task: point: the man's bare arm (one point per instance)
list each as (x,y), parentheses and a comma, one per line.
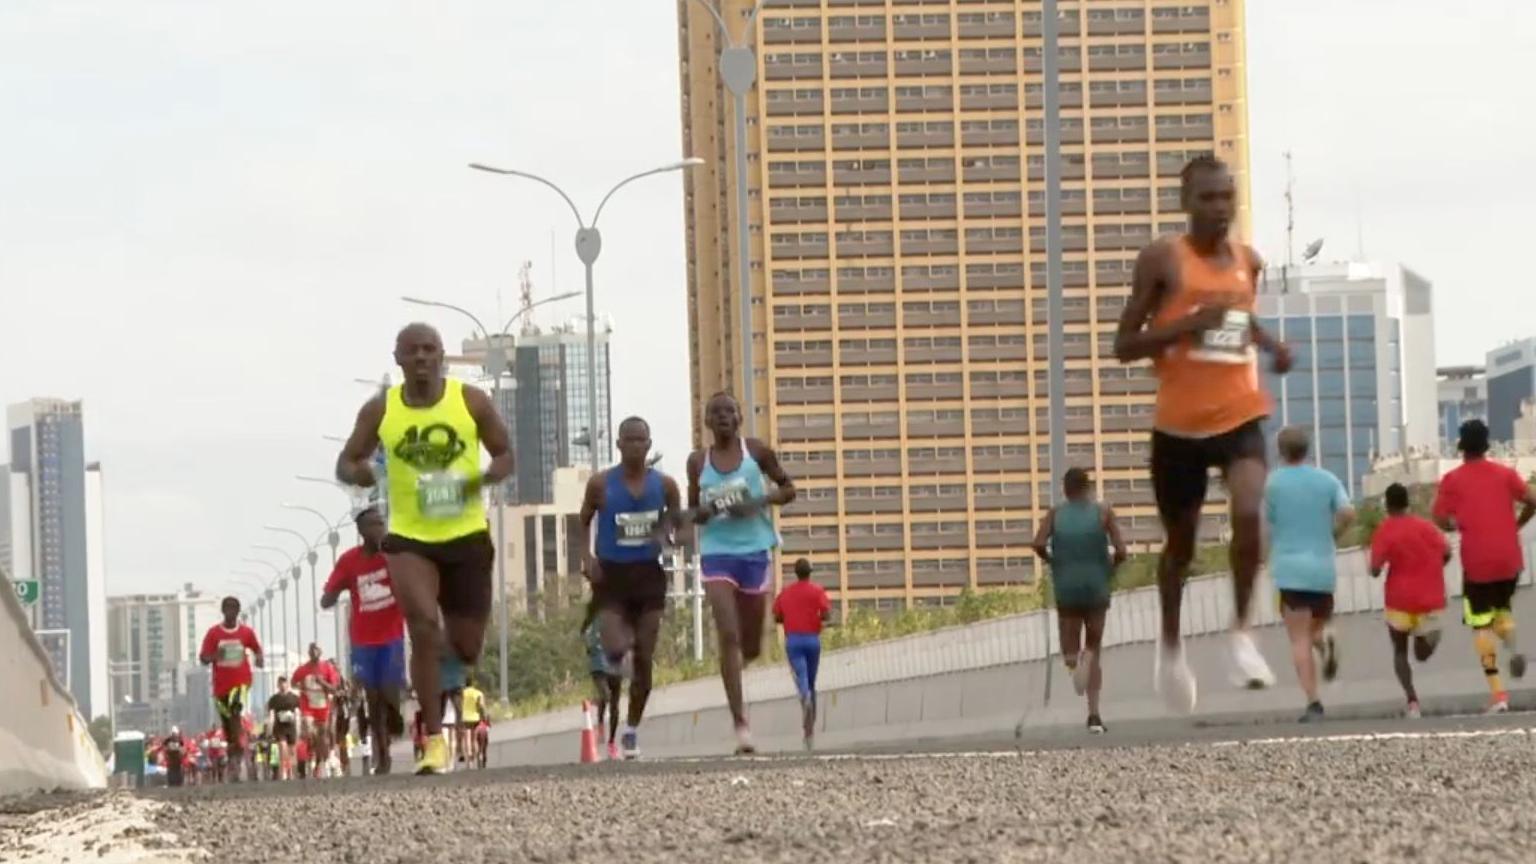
(493,436)
(1134,338)
(355,464)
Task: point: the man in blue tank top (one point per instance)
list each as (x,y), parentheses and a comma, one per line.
(730,499)
(637,510)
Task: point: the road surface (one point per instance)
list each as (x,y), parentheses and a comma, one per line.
(1443,790)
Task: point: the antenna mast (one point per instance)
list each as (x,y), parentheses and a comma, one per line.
(525,298)
(1290,227)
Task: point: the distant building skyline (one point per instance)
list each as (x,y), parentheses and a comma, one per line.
(52,522)
(1511,380)
(151,638)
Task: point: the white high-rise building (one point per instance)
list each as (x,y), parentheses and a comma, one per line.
(51,534)
(152,638)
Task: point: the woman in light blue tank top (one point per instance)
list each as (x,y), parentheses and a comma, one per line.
(729,495)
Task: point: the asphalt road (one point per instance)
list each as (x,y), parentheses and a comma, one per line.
(1444,790)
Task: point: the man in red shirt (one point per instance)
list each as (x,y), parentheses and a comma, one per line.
(377,629)
(1478,500)
(1414,553)
(225,648)
(802,609)
(316,682)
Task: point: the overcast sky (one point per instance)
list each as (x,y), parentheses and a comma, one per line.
(209,210)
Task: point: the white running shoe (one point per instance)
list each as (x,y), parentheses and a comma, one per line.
(1249,668)
(1082,672)
(744,746)
(1174,680)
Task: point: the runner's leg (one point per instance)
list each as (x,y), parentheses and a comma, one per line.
(647,630)
(415,582)
(722,604)
(1245,491)
(751,614)
(615,693)
(1069,630)
(1093,637)
(1298,627)
(1400,664)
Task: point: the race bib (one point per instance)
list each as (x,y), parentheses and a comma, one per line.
(636,529)
(440,494)
(722,498)
(372,593)
(1230,343)
(285,717)
(317,698)
(231,653)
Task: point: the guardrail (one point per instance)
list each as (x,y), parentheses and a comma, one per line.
(44,742)
(1002,665)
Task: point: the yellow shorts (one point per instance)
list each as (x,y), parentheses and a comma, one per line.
(1414,623)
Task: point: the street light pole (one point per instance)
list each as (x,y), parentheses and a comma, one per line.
(496,365)
(282,584)
(738,71)
(332,538)
(589,244)
(314,589)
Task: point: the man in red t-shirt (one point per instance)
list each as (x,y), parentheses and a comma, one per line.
(1414,553)
(802,609)
(377,629)
(225,648)
(1478,500)
(317,681)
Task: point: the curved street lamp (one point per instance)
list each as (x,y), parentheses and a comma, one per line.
(314,589)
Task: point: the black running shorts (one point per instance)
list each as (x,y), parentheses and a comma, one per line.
(463,566)
(1181,466)
(632,587)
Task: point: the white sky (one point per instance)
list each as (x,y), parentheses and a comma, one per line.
(209,210)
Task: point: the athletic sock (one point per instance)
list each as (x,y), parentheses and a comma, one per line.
(1488,652)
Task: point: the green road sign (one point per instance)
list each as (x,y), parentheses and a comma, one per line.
(27,591)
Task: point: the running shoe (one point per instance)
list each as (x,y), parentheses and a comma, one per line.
(1413,712)
(1095,725)
(1174,680)
(631,742)
(434,756)
(1081,672)
(744,741)
(1499,704)
(1330,650)
(1517,665)
(1248,665)
(1313,714)
(613,751)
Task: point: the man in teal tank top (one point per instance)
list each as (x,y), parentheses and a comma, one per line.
(1075,539)
(438,549)
(729,498)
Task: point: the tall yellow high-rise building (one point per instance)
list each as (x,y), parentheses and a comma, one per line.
(896,161)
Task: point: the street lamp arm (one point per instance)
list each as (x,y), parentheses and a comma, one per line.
(459,309)
(278,529)
(675,166)
(321,516)
(292,561)
(752,16)
(537,179)
(537,303)
(715,14)
(276,570)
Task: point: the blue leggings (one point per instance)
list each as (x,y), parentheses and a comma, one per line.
(804,652)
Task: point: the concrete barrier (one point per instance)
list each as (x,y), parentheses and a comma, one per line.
(988,677)
(44,742)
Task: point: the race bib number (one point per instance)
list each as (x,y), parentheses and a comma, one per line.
(440,494)
(231,653)
(725,496)
(1229,343)
(373,593)
(317,698)
(285,717)
(636,529)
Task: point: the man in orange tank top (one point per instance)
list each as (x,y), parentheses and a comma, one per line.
(1191,313)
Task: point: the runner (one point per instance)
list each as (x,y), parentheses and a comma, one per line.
(377,629)
(637,509)
(453,676)
(1306,509)
(730,499)
(341,722)
(1191,313)
(1477,499)
(317,681)
(1074,540)
(1414,554)
(473,702)
(607,683)
(283,720)
(802,609)
(174,749)
(228,647)
(438,547)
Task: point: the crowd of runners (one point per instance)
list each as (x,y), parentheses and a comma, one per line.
(424,571)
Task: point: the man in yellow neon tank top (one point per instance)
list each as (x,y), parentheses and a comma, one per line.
(1191,313)
(438,548)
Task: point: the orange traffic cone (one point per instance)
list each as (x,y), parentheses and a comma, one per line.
(588,733)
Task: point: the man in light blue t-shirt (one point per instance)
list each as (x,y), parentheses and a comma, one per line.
(1306,508)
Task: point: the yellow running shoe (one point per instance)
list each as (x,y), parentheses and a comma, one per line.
(434,756)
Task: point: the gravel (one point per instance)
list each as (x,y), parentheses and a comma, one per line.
(1441,799)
